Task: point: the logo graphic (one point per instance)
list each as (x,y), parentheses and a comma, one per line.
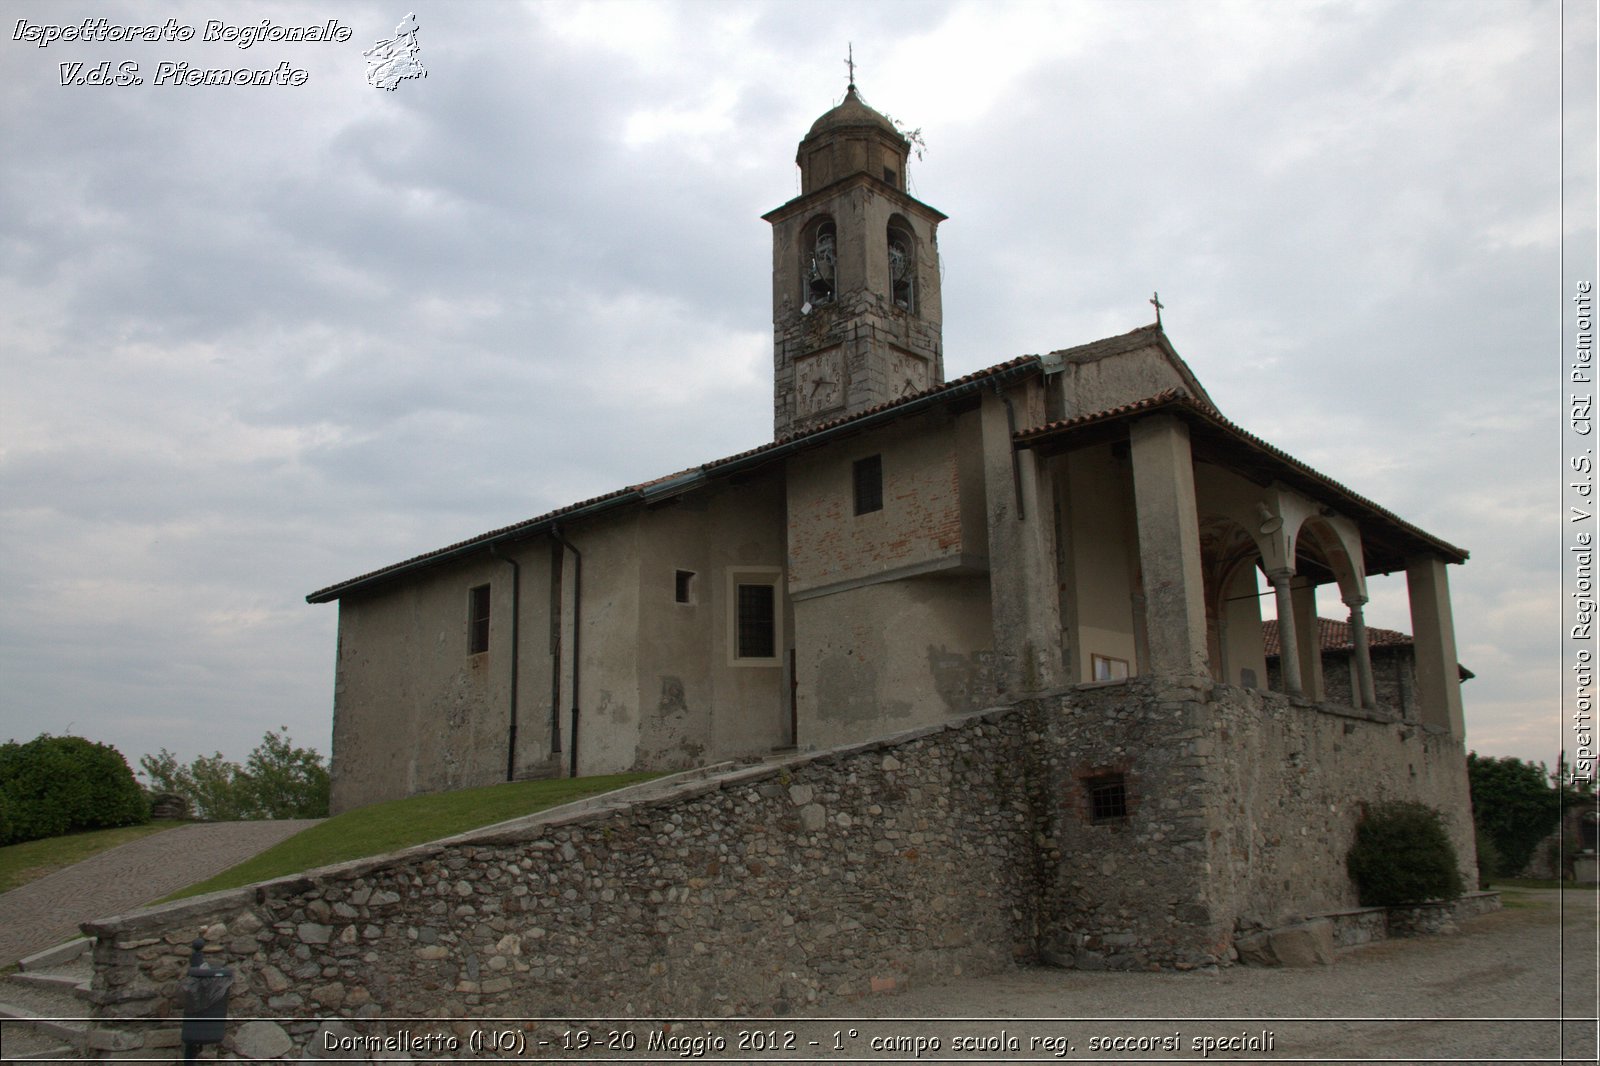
(393,61)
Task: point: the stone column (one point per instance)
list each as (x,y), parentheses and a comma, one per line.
(1434,635)
(1288,646)
(1366,690)
(1308,631)
(1169,546)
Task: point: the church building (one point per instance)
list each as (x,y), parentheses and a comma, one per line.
(906,549)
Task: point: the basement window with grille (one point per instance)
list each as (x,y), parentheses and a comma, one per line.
(1108,798)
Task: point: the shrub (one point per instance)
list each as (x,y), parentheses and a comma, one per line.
(55,785)
(1514,803)
(1488,858)
(1402,854)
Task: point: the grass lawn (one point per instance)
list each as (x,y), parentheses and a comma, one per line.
(386,827)
(29,861)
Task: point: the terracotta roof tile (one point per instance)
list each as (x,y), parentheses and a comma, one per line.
(1335,636)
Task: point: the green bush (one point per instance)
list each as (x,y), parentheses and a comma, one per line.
(1488,858)
(55,785)
(1402,854)
(1515,803)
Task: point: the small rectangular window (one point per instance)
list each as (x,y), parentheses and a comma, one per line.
(889,176)
(1108,669)
(1108,798)
(757,622)
(478,620)
(683,586)
(868,479)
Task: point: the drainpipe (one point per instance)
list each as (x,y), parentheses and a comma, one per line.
(577,630)
(556,557)
(516,613)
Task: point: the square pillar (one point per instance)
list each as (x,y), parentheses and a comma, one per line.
(1169,546)
(1434,634)
(1020,499)
(1308,638)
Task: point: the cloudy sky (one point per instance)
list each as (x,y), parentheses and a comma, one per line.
(257,340)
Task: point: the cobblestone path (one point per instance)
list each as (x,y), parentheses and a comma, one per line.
(45,912)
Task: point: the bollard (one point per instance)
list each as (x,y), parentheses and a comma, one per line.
(205,1002)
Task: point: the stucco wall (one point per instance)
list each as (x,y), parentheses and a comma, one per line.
(697,702)
(860,677)
(413,711)
(1098,384)
(1098,558)
(919,525)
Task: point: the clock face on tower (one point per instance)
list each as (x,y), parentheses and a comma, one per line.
(818,383)
(907,374)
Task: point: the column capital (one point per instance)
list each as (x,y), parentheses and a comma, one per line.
(1280,573)
(1355,603)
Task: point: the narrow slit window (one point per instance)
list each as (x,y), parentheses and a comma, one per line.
(478,620)
(757,621)
(867,475)
(683,586)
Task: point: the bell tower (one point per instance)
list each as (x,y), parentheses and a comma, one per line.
(855,276)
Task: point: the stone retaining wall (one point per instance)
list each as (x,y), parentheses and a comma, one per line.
(954,849)
(756,893)
(1242,805)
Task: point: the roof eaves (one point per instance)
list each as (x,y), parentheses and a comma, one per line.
(675,484)
(1180,401)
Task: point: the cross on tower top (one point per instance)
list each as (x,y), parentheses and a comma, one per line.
(1155,298)
(850,61)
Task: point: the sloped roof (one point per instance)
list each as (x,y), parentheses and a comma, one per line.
(1387,539)
(1334,635)
(673,484)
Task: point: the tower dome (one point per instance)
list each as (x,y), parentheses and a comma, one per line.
(852,139)
(851,111)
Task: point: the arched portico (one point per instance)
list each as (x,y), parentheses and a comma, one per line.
(1212,505)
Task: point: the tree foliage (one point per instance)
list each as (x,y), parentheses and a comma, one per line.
(278,780)
(55,785)
(1402,854)
(1515,804)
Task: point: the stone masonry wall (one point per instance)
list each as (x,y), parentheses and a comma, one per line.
(953,849)
(1292,778)
(1242,805)
(756,893)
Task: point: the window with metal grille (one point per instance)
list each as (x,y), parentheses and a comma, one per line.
(868,478)
(684,586)
(757,622)
(478,620)
(1108,798)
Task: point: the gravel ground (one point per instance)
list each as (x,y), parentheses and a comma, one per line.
(1493,992)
